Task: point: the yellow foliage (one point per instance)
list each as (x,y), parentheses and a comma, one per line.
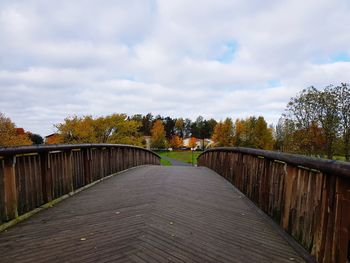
(115,128)
(8,134)
(158,135)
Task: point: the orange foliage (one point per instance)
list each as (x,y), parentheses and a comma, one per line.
(176,142)
(193,142)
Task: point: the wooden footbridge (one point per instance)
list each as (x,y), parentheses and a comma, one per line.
(114,203)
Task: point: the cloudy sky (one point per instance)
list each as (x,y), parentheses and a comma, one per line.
(214,58)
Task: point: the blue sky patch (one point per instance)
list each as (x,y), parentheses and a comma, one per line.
(229,54)
(274,83)
(341,57)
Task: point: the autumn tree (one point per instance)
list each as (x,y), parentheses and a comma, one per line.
(115,128)
(176,142)
(192,142)
(238,132)
(223,133)
(179,127)
(315,112)
(126,132)
(158,140)
(253,132)
(8,134)
(76,130)
(263,135)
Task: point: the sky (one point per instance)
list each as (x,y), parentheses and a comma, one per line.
(183,58)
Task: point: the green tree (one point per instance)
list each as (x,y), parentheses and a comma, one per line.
(343,94)
(35,138)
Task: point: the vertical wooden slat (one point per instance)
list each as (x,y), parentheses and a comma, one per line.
(2,192)
(46,177)
(69,171)
(10,187)
(87,166)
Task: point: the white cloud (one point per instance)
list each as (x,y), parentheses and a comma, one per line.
(91,57)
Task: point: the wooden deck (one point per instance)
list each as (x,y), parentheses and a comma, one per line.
(150,214)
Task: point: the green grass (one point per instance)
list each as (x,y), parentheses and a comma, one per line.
(339,158)
(164,162)
(185,156)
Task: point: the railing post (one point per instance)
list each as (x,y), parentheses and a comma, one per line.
(10,187)
(69,170)
(87,166)
(102,168)
(46,179)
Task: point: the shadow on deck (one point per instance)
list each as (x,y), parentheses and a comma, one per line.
(150,214)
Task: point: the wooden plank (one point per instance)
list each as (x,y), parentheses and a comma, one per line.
(10,196)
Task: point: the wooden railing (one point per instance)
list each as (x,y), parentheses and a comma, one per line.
(309,198)
(31,176)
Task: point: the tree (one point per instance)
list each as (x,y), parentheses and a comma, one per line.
(238,132)
(169,126)
(35,138)
(192,143)
(315,112)
(223,133)
(343,95)
(327,114)
(187,128)
(126,132)
(180,127)
(176,142)
(158,140)
(115,128)
(285,130)
(8,134)
(146,126)
(104,127)
(77,130)
(263,135)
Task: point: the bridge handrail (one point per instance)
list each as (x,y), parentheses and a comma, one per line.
(323,165)
(308,197)
(31,176)
(64,147)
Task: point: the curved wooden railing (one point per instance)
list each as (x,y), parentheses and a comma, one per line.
(31,176)
(308,197)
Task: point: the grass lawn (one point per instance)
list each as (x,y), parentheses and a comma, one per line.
(164,162)
(339,158)
(185,156)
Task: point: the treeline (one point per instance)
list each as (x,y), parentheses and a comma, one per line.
(165,132)
(316,122)
(123,129)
